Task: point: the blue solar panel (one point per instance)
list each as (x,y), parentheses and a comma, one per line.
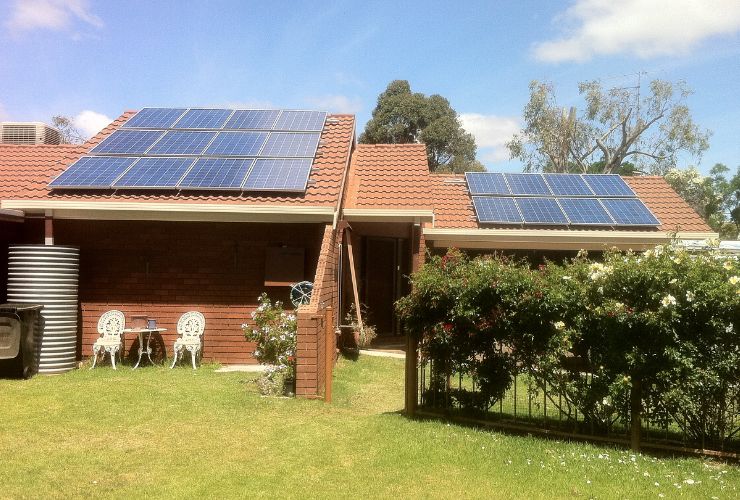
(255,119)
(541,211)
(92,172)
(486,183)
(493,210)
(301,121)
(585,211)
(288,144)
(629,212)
(282,174)
(567,185)
(237,143)
(527,184)
(204,118)
(154,118)
(153,173)
(128,142)
(608,185)
(181,142)
(217,173)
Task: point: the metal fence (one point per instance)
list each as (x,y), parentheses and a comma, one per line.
(536,404)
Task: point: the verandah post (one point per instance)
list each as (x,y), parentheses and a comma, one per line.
(411,374)
(329,350)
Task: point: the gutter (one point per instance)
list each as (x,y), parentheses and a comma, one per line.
(388,215)
(209,212)
(553,239)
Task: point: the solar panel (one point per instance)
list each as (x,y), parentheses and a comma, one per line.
(567,185)
(92,172)
(541,211)
(154,118)
(256,119)
(486,183)
(629,212)
(217,173)
(301,121)
(608,185)
(282,174)
(527,184)
(182,142)
(493,210)
(290,144)
(153,173)
(586,211)
(128,142)
(237,143)
(204,118)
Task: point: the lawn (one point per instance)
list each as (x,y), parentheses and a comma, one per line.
(179,433)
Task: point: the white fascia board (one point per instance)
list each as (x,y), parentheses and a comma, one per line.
(387,215)
(215,212)
(552,239)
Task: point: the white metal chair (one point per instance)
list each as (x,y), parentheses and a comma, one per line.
(190,328)
(110,328)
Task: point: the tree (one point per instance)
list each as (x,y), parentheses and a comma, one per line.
(616,126)
(403,117)
(715,198)
(68,132)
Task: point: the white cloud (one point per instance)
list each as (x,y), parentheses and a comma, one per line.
(491,133)
(645,28)
(337,103)
(90,123)
(56,15)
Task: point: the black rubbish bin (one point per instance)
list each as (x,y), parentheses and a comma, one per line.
(20,329)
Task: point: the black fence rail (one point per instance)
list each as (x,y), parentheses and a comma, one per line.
(542,403)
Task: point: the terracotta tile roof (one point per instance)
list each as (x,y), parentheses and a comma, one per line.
(453,207)
(389,176)
(25,172)
(670,209)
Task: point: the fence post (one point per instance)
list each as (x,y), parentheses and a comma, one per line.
(635,414)
(411,375)
(329,351)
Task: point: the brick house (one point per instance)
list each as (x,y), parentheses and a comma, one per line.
(365,221)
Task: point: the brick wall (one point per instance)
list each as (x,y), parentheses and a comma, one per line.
(163,269)
(316,323)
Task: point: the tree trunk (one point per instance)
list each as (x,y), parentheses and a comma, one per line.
(636,414)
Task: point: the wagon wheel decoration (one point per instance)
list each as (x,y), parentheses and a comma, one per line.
(300,293)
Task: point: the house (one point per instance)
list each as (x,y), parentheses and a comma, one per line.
(364,222)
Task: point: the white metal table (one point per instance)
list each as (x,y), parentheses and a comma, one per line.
(140,333)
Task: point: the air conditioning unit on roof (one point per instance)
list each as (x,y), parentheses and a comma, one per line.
(28,133)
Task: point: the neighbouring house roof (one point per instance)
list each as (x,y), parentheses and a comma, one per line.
(25,172)
(388,182)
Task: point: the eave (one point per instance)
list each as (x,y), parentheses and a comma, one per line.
(553,239)
(211,212)
(387,215)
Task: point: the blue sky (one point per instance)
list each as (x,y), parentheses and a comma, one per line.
(94,59)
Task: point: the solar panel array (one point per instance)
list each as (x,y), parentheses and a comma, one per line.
(556,200)
(206,149)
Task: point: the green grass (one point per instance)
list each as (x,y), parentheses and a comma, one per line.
(180,433)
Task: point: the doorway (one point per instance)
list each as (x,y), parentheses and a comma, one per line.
(385,280)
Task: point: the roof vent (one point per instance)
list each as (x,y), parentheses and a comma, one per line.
(28,133)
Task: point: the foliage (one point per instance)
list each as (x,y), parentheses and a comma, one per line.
(658,328)
(403,117)
(616,125)
(69,133)
(714,197)
(274,333)
(483,317)
(365,334)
